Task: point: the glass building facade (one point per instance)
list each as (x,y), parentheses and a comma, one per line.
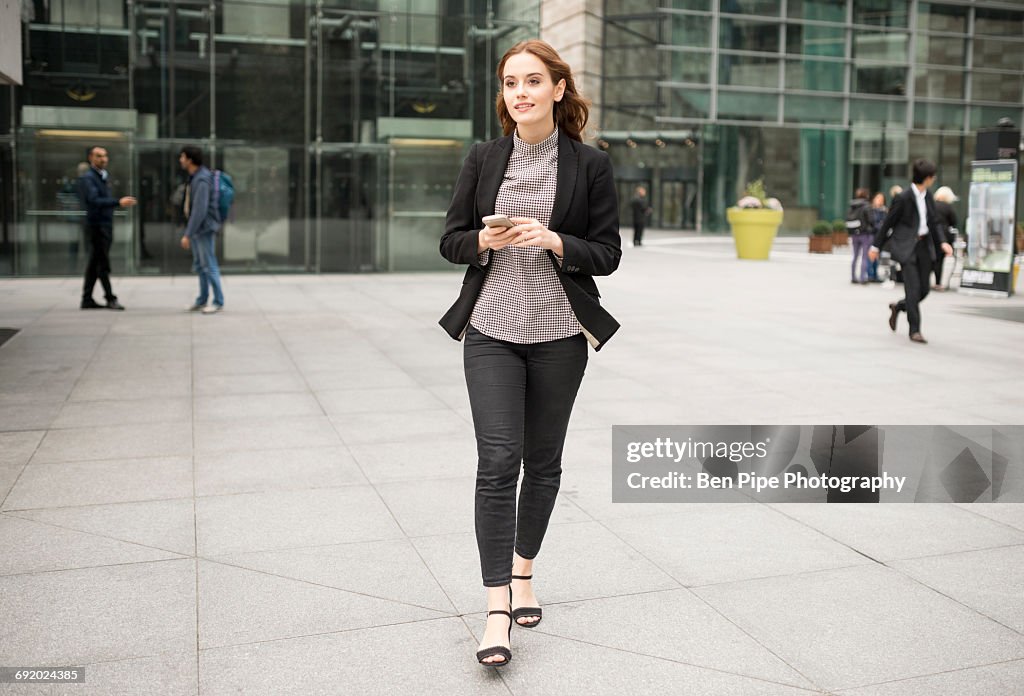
(818,97)
(343,124)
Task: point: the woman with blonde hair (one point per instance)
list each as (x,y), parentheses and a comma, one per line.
(534,215)
(947,223)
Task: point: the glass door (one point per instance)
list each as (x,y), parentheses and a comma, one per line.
(671,207)
(422,179)
(160,215)
(50,232)
(351,212)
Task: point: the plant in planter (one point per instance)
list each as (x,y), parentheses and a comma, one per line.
(821,238)
(754,222)
(840,236)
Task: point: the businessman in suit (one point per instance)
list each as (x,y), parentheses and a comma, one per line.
(915,242)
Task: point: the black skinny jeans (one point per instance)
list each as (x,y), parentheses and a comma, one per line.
(522,397)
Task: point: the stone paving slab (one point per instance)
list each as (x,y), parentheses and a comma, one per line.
(736,542)
(87,414)
(291,519)
(91,614)
(892,532)
(990,581)
(163,525)
(97,482)
(277,499)
(423,657)
(391,570)
(162,674)
(839,626)
(255,471)
(32,547)
(541,666)
(1002,678)
(287,607)
(673,625)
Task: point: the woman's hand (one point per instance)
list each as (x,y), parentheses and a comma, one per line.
(495,238)
(531,233)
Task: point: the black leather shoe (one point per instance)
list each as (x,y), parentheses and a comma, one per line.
(90,303)
(916,337)
(894,312)
(114,304)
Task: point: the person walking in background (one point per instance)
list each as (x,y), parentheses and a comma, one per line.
(914,242)
(527,309)
(641,211)
(99,204)
(878,211)
(895,270)
(944,199)
(859,227)
(200,234)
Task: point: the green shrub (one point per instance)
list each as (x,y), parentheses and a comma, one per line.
(838,225)
(821,229)
(756,190)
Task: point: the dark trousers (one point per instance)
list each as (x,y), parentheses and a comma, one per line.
(100,238)
(638,233)
(917,272)
(522,396)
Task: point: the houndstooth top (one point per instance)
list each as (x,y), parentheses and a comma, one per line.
(522,300)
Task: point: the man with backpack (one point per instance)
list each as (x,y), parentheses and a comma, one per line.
(202,211)
(861,231)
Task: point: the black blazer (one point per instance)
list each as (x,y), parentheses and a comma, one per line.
(903,220)
(585,215)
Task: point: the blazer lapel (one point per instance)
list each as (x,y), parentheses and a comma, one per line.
(568,164)
(492,173)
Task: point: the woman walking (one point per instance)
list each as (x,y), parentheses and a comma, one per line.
(858,223)
(527,309)
(947,223)
(878,211)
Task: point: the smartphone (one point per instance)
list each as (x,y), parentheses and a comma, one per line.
(498,221)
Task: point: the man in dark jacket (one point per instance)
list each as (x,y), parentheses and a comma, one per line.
(641,210)
(201,229)
(99,204)
(915,243)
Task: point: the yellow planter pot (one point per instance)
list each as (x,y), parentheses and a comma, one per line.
(753,230)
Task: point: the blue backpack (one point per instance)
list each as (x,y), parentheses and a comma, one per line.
(223,193)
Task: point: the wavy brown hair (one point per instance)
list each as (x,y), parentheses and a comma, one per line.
(570,113)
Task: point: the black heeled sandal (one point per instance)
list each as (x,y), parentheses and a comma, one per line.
(525,612)
(482,655)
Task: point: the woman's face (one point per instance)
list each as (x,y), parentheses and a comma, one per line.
(878,201)
(529,93)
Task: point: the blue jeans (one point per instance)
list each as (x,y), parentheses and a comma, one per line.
(204,262)
(861,263)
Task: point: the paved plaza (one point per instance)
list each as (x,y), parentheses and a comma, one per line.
(278,499)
